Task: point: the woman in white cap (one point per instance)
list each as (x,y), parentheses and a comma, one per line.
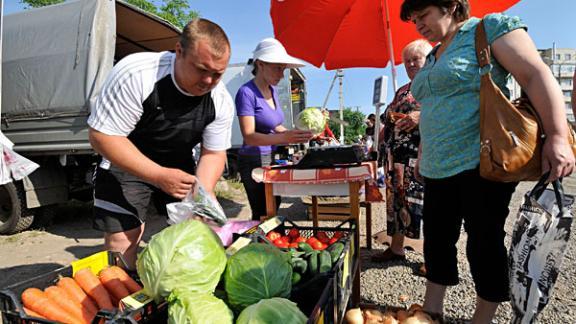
(261,118)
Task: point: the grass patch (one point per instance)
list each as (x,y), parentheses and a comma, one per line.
(20,236)
(230,190)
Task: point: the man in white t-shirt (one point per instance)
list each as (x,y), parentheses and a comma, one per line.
(152,110)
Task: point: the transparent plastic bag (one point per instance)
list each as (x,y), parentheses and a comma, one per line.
(197,203)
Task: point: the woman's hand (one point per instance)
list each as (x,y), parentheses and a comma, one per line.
(297,136)
(557,157)
(409,122)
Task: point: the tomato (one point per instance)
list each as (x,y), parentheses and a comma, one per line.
(333,240)
(281,243)
(287,239)
(312,240)
(299,239)
(317,245)
(272,236)
(293,245)
(338,235)
(322,237)
(294,233)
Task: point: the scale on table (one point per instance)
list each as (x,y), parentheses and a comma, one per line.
(330,157)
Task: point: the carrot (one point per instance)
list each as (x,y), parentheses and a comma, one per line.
(76,293)
(36,300)
(63,299)
(94,288)
(113,284)
(130,283)
(32,313)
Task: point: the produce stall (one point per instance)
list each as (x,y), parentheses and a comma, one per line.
(185,275)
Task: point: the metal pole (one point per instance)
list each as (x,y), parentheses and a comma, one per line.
(340,74)
(329,90)
(390,46)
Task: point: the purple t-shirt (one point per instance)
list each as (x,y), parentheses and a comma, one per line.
(250,102)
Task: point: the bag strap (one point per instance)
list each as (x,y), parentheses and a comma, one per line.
(539,188)
(482,46)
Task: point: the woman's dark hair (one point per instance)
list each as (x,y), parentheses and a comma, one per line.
(461,13)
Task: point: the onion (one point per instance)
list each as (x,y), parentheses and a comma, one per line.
(354,316)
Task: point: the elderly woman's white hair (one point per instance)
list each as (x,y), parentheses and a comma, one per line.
(420,45)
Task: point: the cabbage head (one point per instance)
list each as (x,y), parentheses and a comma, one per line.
(311,119)
(186,307)
(272,311)
(186,255)
(258,271)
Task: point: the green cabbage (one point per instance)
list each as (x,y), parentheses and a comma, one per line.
(187,254)
(258,271)
(311,119)
(272,311)
(188,307)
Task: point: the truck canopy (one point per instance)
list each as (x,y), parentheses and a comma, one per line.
(55,60)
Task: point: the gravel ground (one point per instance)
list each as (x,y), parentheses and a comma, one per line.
(395,283)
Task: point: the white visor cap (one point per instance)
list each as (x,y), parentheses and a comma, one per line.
(270,50)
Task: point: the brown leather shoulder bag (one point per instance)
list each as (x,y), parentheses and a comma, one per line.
(511,133)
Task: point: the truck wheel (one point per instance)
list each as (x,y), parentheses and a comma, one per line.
(14,216)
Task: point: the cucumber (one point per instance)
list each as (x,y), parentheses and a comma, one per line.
(324,262)
(313,263)
(296,277)
(305,247)
(299,265)
(335,251)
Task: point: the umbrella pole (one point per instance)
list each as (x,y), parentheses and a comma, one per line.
(390,46)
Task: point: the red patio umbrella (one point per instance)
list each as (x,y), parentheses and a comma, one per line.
(351,33)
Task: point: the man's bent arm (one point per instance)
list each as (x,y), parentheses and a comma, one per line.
(210,168)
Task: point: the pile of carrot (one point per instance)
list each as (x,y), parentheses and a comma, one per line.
(77,300)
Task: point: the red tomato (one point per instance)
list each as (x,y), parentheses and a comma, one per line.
(322,237)
(332,241)
(293,245)
(294,233)
(312,240)
(272,236)
(281,243)
(287,239)
(299,239)
(317,245)
(338,235)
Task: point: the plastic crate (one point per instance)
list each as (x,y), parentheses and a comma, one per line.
(325,309)
(11,306)
(308,294)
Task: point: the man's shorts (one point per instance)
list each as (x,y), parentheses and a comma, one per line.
(121,200)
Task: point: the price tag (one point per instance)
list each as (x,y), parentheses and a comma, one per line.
(137,300)
(345,269)
(95,262)
(237,245)
(270,224)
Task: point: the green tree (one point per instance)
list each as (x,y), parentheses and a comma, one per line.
(177,12)
(38,3)
(356,125)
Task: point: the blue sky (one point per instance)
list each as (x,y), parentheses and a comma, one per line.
(248,21)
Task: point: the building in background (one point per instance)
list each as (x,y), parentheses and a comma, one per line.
(562,62)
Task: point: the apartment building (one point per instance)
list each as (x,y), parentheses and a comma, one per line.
(562,62)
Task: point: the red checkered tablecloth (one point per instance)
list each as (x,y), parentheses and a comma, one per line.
(313,176)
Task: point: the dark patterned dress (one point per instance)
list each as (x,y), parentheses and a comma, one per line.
(404,194)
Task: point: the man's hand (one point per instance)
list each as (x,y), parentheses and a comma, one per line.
(175,182)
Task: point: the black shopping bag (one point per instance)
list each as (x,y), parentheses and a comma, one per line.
(539,240)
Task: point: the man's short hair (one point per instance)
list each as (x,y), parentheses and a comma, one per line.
(201,28)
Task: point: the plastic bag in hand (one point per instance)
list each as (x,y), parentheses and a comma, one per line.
(197,203)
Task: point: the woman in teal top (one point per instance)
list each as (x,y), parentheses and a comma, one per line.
(448,89)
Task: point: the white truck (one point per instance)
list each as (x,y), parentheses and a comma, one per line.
(55,60)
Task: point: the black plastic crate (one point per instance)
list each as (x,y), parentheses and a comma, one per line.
(308,294)
(325,309)
(11,306)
